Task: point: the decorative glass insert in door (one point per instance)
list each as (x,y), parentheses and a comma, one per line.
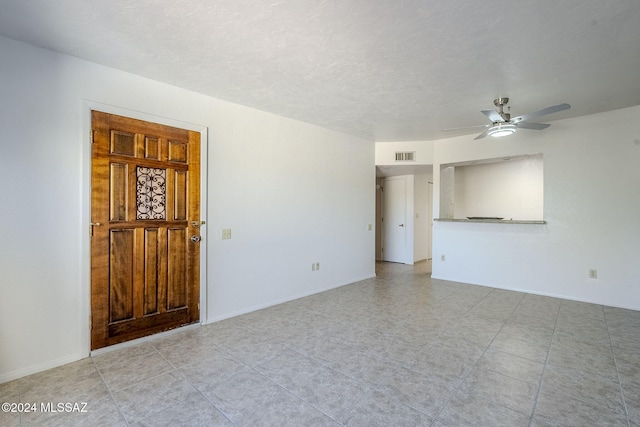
(151,193)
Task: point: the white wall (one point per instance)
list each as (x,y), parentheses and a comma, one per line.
(591,205)
(421,217)
(509,189)
(385,152)
(292,193)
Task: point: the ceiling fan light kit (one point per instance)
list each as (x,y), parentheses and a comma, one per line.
(500,130)
(503,125)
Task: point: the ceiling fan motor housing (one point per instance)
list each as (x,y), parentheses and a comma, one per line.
(500,103)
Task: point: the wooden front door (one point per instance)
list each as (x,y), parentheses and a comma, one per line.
(145,213)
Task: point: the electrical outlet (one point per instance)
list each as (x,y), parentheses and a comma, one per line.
(593,273)
(226,233)
(442,257)
(369,227)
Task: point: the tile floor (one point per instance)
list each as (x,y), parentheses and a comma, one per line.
(398,350)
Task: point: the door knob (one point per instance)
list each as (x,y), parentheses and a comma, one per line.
(196,239)
(401,225)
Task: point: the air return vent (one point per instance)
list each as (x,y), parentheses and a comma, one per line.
(405,156)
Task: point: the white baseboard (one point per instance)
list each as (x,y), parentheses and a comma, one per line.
(14,375)
(283,300)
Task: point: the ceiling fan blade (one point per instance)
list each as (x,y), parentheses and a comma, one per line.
(542,112)
(534,126)
(466,127)
(483,134)
(493,115)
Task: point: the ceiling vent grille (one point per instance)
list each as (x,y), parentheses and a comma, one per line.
(405,156)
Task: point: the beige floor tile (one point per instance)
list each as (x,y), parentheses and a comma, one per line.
(130,371)
(74,382)
(472,410)
(245,393)
(424,393)
(196,412)
(398,349)
(145,398)
(565,410)
(511,366)
(603,392)
(381,410)
(507,391)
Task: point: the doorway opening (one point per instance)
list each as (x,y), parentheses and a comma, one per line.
(404,218)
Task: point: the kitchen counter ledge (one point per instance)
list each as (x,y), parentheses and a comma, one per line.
(494,221)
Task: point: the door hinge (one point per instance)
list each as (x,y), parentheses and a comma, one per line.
(91,323)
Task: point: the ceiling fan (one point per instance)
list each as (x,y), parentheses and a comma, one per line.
(503,125)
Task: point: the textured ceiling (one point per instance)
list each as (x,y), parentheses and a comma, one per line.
(382,70)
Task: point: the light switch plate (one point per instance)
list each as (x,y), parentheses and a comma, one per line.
(226,233)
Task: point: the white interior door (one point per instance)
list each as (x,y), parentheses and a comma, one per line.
(394,224)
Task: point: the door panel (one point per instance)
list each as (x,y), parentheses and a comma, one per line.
(176,290)
(118,190)
(145,194)
(151,271)
(394,238)
(180,203)
(121,277)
